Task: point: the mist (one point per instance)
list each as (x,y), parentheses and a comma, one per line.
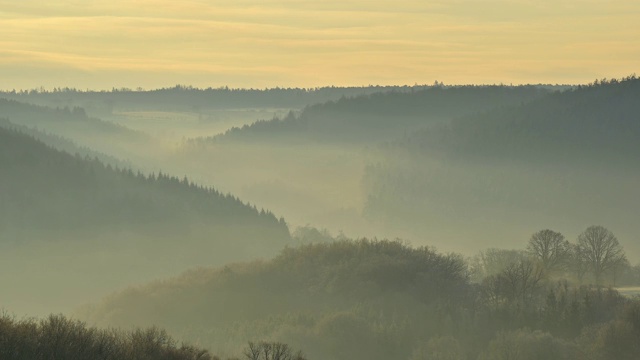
(243,219)
(300,180)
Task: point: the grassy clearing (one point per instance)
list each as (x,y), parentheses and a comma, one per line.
(629,291)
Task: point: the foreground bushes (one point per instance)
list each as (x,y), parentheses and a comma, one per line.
(57,337)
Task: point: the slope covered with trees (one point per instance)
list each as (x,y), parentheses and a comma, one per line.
(64,144)
(571,155)
(594,122)
(371,299)
(72,119)
(45,189)
(382,116)
(334,300)
(79,227)
(85,131)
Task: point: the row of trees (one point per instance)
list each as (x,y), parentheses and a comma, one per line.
(271,351)
(59,337)
(550,265)
(596,252)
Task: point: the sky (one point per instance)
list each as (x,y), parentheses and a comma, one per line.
(102,44)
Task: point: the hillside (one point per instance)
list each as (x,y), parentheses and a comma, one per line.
(569,158)
(172,114)
(595,122)
(309,166)
(371,299)
(61,143)
(382,116)
(52,190)
(54,206)
(85,131)
(322,298)
(65,118)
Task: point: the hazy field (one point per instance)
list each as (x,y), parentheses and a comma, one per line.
(629,291)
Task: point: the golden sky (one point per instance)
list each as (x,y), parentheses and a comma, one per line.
(101,44)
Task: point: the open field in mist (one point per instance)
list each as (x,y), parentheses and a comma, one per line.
(629,291)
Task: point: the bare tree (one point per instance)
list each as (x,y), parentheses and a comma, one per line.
(271,351)
(550,248)
(494,261)
(518,283)
(600,250)
(524,278)
(253,351)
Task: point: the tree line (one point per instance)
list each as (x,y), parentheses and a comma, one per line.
(597,252)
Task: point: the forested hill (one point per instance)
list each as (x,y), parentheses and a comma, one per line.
(332,299)
(380,300)
(64,144)
(382,116)
(45,191)
(594,122)
(538,162)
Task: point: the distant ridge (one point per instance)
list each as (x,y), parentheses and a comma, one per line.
(63,144)
(188,98)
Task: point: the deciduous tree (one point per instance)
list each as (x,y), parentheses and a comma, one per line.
(600,250)
(550,248)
